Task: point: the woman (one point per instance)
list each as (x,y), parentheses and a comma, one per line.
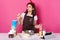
(29,18)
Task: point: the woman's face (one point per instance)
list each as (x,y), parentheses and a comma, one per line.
(30,8)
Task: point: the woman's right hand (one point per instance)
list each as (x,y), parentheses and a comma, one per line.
(18,14)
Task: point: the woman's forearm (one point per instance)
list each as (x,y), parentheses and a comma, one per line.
(19,19)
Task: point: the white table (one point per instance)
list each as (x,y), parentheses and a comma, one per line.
(55,36)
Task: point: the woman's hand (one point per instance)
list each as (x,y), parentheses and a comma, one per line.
(18,14)
(38,26)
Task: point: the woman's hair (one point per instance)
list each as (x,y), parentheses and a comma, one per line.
(33,6)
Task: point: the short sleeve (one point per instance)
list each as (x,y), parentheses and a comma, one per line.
(22,15)
(35,18)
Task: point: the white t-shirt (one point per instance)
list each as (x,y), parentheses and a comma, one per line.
(23,14)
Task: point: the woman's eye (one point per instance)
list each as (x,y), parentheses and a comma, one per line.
(29,7)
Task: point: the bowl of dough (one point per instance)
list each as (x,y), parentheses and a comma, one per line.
(31,32)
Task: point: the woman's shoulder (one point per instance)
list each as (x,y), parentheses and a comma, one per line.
(22,14)
(35,17)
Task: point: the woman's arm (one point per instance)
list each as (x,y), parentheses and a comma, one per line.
(19,18)
(39,26)
(35,23)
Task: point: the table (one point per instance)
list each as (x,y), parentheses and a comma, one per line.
(54,36)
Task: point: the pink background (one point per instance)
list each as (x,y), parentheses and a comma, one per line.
(48,12)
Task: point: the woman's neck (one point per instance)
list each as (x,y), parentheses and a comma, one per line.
(29,14)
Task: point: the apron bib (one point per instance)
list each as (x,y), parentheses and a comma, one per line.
(28,23)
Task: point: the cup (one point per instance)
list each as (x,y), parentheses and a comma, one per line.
(14,23)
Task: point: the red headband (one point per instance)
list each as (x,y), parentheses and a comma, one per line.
(31,1)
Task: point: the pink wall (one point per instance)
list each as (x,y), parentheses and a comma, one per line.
(48,12)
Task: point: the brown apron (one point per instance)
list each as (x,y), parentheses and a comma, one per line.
(28,23)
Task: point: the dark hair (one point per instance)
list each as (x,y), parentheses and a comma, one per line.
(33,11)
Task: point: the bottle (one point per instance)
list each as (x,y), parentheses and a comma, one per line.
(40,30)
